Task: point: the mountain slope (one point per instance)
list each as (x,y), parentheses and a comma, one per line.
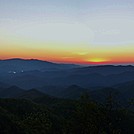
(10,92)
(104,69)
(73,92)
(30,74)
(20,65)
(30,94)
(3,85)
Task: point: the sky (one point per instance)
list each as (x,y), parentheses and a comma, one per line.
(68,31)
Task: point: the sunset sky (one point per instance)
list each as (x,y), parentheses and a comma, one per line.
(70,31)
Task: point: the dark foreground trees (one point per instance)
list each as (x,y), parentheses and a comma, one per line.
(64,117)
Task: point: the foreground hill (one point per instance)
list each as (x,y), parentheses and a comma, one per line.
(31,111)
(21,116)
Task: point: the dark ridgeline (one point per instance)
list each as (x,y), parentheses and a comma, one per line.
(35,73)
(51,98)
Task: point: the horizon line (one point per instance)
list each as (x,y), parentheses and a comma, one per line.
(76,63)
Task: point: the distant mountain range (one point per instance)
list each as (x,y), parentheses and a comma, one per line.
(34,73)
(122,93)
(42,80)
(20,65)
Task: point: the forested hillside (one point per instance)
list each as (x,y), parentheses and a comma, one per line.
(48,115)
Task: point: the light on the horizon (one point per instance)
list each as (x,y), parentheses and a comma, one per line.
(97,60)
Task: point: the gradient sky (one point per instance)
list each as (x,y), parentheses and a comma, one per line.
(75,31)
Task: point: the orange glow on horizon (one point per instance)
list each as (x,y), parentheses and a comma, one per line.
(66,57)
(95,61)
(77,56)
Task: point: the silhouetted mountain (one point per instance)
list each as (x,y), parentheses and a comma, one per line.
(122,93)
(73,92)
(101,95)
(10,92)
(126,90)
(30,94)
(125,86)
(34,76)
(52,90)
(3,85)
(90,80)
(104,69)
(13,66)
(29,80)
